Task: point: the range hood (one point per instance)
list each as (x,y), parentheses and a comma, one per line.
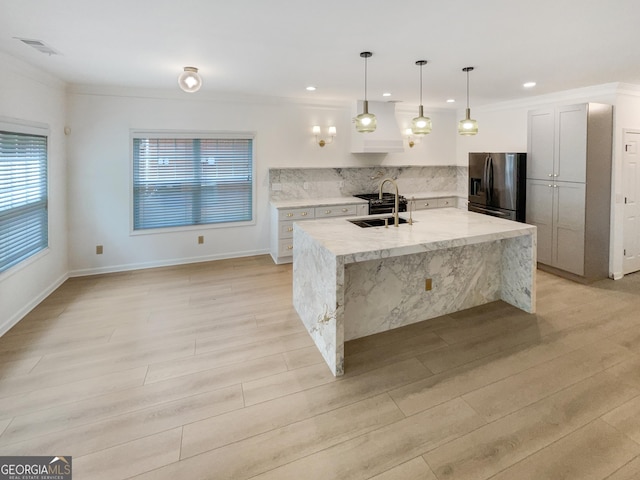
(386,138)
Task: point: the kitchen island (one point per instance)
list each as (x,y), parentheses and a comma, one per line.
(350,282)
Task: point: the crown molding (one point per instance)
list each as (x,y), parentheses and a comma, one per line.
(574,95)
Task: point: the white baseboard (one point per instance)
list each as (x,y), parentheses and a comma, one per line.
(162,263)
(6,326)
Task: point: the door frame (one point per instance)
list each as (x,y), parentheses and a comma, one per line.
(625,133)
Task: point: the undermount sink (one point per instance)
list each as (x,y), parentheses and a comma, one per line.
(376,222)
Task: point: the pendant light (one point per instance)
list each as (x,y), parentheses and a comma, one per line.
(467,126)
(365,122)
(189,80)
(421,125)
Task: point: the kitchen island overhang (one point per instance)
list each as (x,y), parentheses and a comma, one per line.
(350,282)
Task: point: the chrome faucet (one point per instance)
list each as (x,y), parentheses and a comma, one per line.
(395,210)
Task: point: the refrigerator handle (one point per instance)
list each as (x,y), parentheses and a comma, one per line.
(490,186)
(485,180)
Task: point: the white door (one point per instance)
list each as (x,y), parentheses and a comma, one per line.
(631,192)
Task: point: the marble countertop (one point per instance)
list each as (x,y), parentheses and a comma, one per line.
(427,195)
(317,202)
(324,201)
(433,229)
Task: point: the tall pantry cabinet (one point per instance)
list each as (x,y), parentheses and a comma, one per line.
(569,187)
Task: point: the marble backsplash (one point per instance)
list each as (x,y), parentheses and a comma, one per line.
(303,183)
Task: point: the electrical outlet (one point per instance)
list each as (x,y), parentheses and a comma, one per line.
(98,249)
(427,285)
(201,239)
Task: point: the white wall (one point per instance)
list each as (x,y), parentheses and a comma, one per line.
(32,95)
(627,116)
(503,127)
(99,167)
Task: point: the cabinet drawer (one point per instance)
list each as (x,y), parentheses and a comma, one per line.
(286,229)
(424,203)
(446,202)
(285,247)
(335,211)
(295,214)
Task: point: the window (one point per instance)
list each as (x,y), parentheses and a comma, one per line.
(23,195)
(181,181)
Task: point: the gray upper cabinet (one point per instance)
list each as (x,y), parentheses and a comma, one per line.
(540,144)
(569,187)
(557,144)
(571,144)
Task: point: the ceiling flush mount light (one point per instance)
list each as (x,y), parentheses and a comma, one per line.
(311,88)
(331,132)
(529,84)
(365,122)
(421,125)
(467,126)
(190,80)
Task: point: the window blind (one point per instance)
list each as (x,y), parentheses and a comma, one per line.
(191,181)
(23,197)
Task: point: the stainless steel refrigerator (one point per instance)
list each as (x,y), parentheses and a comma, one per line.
(497,184)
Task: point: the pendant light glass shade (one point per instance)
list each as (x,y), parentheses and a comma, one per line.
(365,122)
(421,125)
(190,80)
(467,125)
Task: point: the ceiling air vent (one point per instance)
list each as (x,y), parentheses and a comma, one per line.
(38,45)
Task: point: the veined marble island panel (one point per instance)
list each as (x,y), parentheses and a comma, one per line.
(350,282)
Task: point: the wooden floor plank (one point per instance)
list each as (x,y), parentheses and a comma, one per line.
(168,372)
(590,453)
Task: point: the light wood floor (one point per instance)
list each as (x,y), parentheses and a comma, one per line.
(205,372)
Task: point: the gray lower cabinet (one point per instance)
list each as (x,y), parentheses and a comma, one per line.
(434,202)
(282,220)
(558,211)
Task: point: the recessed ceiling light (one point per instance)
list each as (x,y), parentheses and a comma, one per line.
(451,100)
(311,88)
(386,94)
(529,84)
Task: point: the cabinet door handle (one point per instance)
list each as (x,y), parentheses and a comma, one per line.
(550,175)
(555,175)
(290,229)
(327,212)
(555,186)
(345,209)
(304,214)
(550,185)
(289,214)
(427,204)
(289,247)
